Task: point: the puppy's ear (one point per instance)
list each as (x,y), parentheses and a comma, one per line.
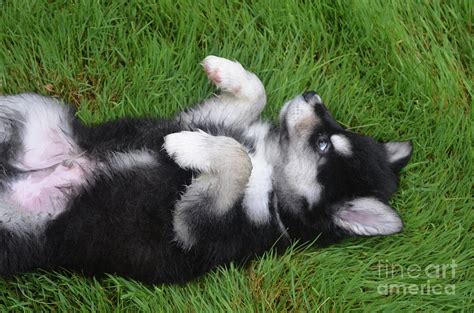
(398,153)
(367,217)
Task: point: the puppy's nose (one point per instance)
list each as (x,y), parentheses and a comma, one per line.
(311,97)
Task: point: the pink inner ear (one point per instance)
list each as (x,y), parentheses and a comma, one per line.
(359,217)
(368,217)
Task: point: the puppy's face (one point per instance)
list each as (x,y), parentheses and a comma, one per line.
(331,182)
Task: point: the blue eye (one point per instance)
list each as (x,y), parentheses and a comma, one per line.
(322,143)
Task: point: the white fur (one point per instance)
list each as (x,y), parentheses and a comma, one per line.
(232,78)
(299,117)
(300,171)
(341,144)
(131,159)
(183,234)
(368,217)
(317,99)
(221,157)
(224,167)
(54,166)
(300,163)
(43,120)
(397,150)
(15,218)
(192,150)
(260,183)
(241,101)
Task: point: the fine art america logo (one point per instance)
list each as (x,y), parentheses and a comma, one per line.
(427,279)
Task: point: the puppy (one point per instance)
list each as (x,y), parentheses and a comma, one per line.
(164,201)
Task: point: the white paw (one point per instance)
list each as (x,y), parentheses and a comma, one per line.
(189,149)
(228,75)
(206,153)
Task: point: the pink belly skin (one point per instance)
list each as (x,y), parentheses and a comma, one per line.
(49,190)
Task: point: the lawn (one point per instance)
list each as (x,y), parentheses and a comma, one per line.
(389,69)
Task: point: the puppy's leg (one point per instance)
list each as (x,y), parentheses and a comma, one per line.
(223,168)
(240,102)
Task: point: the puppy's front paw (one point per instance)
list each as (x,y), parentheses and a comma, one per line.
(188,149)
(227,75)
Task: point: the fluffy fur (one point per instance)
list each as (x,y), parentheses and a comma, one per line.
(168,200)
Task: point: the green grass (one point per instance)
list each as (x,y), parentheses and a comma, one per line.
(389,69)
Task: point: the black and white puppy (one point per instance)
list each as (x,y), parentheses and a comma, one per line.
(168,200)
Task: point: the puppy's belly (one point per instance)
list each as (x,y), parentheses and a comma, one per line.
(49,190)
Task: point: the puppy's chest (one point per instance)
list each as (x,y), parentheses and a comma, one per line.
(256,200)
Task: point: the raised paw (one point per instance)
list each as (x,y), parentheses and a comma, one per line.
(227,75)
(188,149)
(206,153)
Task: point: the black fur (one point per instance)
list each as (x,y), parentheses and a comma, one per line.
(121,222)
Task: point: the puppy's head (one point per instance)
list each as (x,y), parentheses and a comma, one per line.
(333,183)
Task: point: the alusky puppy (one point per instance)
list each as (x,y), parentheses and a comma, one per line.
(168,200)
